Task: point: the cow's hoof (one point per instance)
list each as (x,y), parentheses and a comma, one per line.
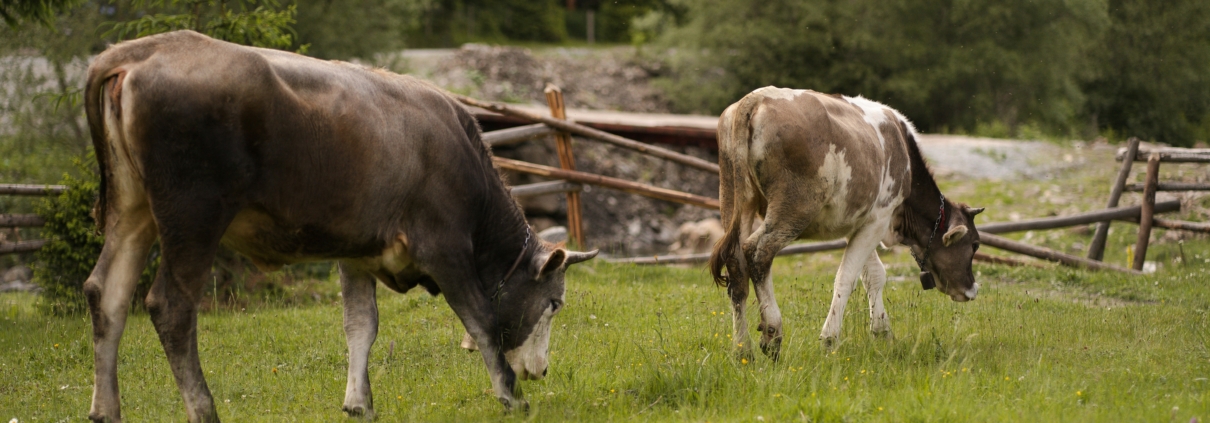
(829,344)
(744,354)
(100,418)
(883,334)
(771,348)
(511,405)
(359,411)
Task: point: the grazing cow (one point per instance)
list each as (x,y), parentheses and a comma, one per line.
(288,159)
(822,167)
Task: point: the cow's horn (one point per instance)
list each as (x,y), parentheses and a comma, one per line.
(974,211)
(574,257)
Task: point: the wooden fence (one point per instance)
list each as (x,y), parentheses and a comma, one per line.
(13,221)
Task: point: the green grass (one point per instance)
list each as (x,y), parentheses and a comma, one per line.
(651,343)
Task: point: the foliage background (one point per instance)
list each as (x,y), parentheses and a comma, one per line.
(1003,68)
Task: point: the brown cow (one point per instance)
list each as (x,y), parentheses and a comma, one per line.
(288,159)
(819,166)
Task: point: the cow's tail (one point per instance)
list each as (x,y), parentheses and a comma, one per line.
(734,138)
(99,74)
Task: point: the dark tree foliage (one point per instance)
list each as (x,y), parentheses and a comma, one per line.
(15,11)
(1077,67)
(449,23)
(1153,71)
(947,64)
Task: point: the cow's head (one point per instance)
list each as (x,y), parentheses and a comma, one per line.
(951,252)
(526,309)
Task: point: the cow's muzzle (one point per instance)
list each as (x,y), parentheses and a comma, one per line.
(967,295)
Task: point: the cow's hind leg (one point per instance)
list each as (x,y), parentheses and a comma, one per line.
(357,290)
(781,226)
(875,280)
(861,246)
(109,290)
(189,239)
(738,277)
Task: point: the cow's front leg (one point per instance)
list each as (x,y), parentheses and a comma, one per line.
(357,290)
(475,311)
(875,280)
(856,255)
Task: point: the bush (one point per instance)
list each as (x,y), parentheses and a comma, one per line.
(65,262)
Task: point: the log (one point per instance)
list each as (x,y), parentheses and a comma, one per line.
(1096,249)
(987,258)
(1118,213)
(567,161)
(607,182)
(1171,155)
(1148,214)
(21,221)
(517,134)
(1006,244)
(596,134)
(543,188)
(1171,186)
(1202,227)
(810,247)
(31,190)
(21,247)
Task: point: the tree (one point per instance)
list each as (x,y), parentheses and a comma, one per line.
(1151,79)
(947,64)
(43,11)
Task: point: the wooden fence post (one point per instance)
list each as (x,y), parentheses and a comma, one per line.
(1145,218)
(567,161)
(1096,250)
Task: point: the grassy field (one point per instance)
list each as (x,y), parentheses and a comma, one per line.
(652,343)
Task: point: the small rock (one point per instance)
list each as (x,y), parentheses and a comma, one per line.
(554,234)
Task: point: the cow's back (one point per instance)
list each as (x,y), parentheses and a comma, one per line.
(326,159)
(824,150)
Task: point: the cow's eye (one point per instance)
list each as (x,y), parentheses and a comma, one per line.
(976,244)
(555,305)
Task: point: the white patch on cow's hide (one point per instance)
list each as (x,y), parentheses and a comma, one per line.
(868,105)
(874,114)
(778,93)
(529,361)
(837,173)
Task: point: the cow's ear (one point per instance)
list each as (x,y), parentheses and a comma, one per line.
(974,211)
(548,263)
(953,235)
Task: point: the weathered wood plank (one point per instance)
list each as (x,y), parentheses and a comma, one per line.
(21,221)
(31,190)
(596,134)
(1006,244)
(543,188)
(1170,155)
(608,182)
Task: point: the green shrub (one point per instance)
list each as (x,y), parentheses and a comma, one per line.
(65,262)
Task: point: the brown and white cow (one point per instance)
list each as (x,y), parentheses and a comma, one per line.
(823,166)
(288,159)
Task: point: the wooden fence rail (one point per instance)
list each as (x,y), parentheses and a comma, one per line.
(21,221)
(1170,155)
(31,190)
(592,133)
(608,182)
